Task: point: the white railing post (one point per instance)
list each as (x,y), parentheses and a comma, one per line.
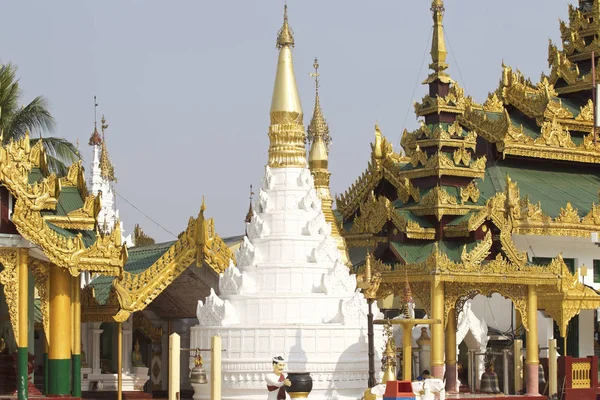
(174,366)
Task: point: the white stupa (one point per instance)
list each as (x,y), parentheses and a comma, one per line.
(290,294)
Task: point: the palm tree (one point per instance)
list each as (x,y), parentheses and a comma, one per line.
(34,117)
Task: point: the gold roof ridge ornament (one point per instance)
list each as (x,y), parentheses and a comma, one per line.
(286,133)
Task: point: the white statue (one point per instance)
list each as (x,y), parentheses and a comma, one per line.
(276,380)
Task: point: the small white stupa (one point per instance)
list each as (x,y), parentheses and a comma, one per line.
(101,181)
(290,294)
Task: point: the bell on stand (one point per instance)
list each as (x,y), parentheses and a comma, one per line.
(198,373)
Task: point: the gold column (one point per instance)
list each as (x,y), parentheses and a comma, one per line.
(59,354)
(23,324)
(437,330)
(451,351)
(532,360)
(76,336)
(407,351)
(120,361)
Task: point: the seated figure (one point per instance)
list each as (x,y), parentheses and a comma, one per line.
(489,381)
(136,356)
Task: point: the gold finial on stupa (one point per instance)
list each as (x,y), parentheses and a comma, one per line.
(95,139)
(318,127)
(107,170)
(286,133)
(285,36)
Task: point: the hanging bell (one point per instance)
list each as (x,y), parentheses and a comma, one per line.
(489,382)
(198,373)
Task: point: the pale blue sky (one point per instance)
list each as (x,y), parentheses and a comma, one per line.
(186,85)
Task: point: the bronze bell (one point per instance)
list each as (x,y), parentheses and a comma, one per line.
(198,373)
(489,381)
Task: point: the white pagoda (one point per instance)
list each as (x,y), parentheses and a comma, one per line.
(291,293)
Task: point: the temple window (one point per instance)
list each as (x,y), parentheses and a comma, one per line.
(596,271)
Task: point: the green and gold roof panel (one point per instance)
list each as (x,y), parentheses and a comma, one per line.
(88,237)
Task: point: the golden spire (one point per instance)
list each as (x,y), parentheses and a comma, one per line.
(438,44)
(285,36)
(318,162)
(107,170)
(318,127)
(286,132)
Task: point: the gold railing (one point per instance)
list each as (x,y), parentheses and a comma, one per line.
(580,373)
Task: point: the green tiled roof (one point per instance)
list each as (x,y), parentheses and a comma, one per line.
(142,257)
(139,259)
(88,237)
(69,200)
(418,252)
(550,186)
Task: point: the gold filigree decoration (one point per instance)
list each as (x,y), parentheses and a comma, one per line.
(555,135)
(463,156)
(374,213)
(471,192)
(144,325)
(438,196)
(475,257)
(41,271)
(9,278)
(454,102)
(568,215)
(493,104)
(418,157)
(406,190)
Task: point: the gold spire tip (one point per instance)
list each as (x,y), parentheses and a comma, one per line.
(285,36)
(438,44)
(318,127)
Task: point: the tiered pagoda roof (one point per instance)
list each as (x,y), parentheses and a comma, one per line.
(472,175)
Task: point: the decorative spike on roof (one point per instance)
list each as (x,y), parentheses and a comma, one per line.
(318,125)
(95,139)
(286,133)
(438,45)
(250,210)
(285,36)
(107,169)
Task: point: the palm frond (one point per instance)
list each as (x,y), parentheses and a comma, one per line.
(60,154)
(34,117)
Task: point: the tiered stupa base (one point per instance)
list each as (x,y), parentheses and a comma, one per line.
(334,354)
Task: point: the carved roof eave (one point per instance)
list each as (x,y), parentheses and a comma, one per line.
(92,311)
(198,244)
(550,153)
(375,213)
(75,178)
(66,222)
(440,210)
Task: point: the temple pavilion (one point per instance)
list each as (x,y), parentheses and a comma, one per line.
(493,198)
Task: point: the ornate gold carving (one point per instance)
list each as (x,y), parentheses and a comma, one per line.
(475,257)
(75,178)
(438,196)
(406,190)
(417,157)
(555,135)
(198,243)
(374,213)
(455,102)
(9,278)
(462,155)
(144,325)
(41,270)
(493,104)
(471,192)
(568,215)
